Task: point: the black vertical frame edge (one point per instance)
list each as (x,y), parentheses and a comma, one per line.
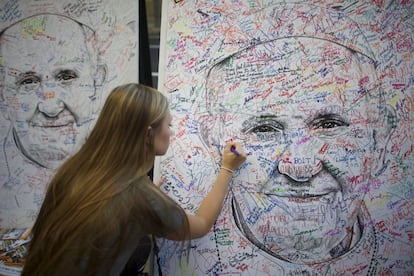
(144,53)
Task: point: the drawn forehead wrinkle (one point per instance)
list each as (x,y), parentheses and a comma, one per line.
(66,69)
(25,74)
(264,116)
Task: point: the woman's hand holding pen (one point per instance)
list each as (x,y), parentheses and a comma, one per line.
(233,156)
(211,205)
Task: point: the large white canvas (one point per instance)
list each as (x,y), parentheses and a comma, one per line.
(110,29)
(201,41)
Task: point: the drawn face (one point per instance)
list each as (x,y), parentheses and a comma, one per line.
(298,106)
(48,87)
(162,136)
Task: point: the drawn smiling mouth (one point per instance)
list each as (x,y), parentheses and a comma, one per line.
(63,118)
(314,186)
(302,191)
(52,122)
(304,196)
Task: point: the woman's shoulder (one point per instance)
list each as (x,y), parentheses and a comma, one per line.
(169,212)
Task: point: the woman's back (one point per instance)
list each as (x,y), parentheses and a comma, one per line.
(103,244)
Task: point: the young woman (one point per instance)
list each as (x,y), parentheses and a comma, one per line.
(101,206)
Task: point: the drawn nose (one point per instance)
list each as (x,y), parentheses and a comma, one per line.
(299,162)
(50,105)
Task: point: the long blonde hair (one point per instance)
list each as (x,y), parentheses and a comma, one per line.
(97,193)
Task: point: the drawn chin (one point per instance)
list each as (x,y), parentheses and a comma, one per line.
(49,158)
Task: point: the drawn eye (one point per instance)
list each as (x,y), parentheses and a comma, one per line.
(328,124)
(66,76)
(263,129)
(28,79)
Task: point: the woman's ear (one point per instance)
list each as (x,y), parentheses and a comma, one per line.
(149,136)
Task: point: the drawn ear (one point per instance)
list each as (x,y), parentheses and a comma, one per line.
(3,104)
(99,78)
(5,110)
(383,132)
(101,73)
(206,129)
